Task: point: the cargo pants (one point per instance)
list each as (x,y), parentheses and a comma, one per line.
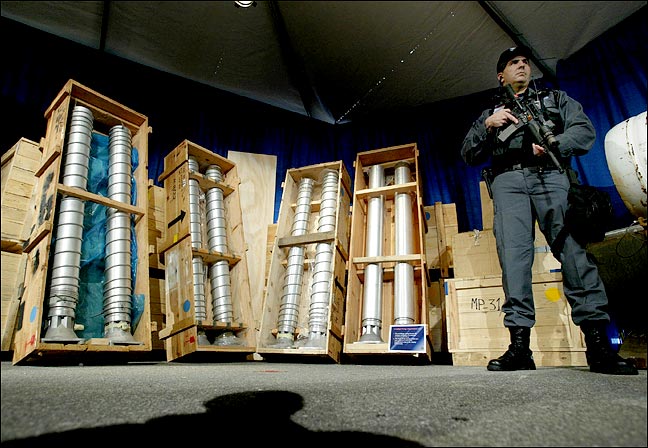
(519,198)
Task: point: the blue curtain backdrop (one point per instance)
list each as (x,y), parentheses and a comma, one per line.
(608,77)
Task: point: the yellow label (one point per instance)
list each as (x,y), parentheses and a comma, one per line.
(552,294)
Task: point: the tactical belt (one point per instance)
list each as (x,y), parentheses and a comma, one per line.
(521,166)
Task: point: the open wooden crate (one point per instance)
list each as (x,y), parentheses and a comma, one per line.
(49,189)
(388,159)
(301,342)
(186,336)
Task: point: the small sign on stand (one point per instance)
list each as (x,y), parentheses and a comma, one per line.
(407,338)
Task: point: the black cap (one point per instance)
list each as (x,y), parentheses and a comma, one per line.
(509,54)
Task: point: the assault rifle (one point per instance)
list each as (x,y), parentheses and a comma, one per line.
(529,115)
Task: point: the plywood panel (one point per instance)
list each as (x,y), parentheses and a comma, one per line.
(257,192)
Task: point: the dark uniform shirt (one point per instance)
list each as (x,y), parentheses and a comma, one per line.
(573,130)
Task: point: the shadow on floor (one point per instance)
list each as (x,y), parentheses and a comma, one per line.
(244,419)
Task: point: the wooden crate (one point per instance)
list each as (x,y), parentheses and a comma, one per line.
(389,158)
(33,309)
(19,166)
(475,255)
(183,331)
(13,275)
(284,241)
(476,332)
(441,226)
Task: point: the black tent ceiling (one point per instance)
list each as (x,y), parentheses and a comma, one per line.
(331,60)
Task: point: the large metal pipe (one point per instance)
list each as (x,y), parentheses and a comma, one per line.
(321,291)
(64,282)
(292,288)
(219,273)
(197,263)
(373,284)
(403,272)
(118,282)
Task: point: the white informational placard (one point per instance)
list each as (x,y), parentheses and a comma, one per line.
(407,338)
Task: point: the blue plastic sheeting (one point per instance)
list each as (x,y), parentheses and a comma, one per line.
(89,311)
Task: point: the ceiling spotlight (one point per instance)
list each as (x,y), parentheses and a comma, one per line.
(244,4)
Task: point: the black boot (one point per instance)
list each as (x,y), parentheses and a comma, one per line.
(518,356)
(600,356)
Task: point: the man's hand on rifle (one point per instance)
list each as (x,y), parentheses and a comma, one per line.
(538,150)
(500,118)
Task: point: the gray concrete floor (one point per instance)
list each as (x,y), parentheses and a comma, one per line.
(254,403)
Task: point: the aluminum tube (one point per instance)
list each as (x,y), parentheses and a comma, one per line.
(292,290)
(292,287)
(200,302)
(403,272)
(303,209)
(219,276)
(198,266)
(219,272)
(120,164)
(372,293)
(215,209)
(118,282)
(217,238)
(321,281)
(77,150)
(194,206)
(321,289)
(66,264)
(64,284)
